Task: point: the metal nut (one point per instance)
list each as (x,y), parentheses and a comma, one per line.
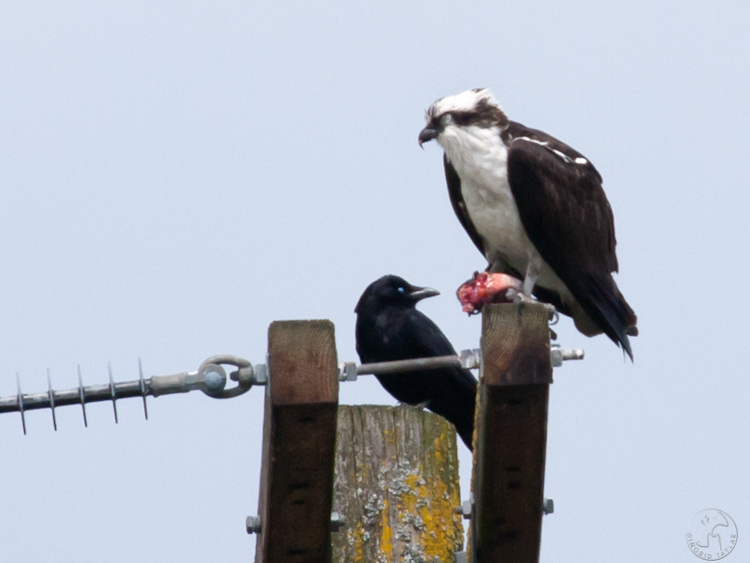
(337,522)
(253,524)
(464,509)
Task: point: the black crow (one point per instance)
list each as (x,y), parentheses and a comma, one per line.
(389,327)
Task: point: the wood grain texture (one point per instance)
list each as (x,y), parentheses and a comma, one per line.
(305,353)
(299,437)
(515,344)
(511,435)
(396,486)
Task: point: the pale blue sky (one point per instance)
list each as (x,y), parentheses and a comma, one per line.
(176,175)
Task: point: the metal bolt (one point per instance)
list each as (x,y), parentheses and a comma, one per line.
(348,371)
(464,509)
(558,355)
(471,359)
(548,506)
(253,524)
(214,380)
(261,374)
(337,522)
(244,376)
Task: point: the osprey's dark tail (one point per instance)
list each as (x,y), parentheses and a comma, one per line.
(602,301)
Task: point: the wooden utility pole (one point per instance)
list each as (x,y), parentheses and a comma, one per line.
(396,486)
(511,434)
(299,436)
(396,469)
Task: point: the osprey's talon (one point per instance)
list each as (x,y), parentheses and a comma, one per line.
(519,298)
(554,316)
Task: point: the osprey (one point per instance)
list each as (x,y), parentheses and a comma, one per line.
(535,208)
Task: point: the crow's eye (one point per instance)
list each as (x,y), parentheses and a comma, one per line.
(401,290)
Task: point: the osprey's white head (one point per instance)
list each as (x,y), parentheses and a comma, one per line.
(475,108)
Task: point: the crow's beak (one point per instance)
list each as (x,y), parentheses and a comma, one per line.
(419,293)
(427,134)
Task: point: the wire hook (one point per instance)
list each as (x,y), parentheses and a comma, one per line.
(20,404)
(82,396)
(143,387)
(112,391)
(51,395)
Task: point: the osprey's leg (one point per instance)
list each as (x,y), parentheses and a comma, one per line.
(529,281)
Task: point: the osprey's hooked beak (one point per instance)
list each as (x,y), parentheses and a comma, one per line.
(428,134)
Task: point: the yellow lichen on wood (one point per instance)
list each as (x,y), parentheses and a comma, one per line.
(386,535)
(396,486)
(357,544)
(436,515)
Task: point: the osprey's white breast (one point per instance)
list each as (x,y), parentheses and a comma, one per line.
(480,158)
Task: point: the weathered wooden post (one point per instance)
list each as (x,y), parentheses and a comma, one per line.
(396,487)
(299,438)
(511,434)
